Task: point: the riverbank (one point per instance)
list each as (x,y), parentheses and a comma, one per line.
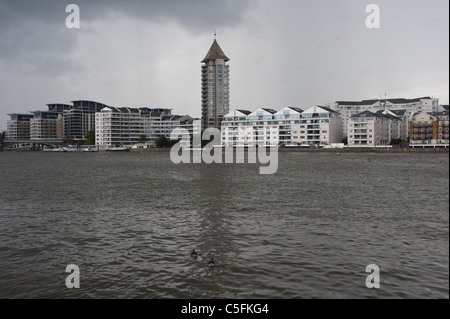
(333,150)
(297,150)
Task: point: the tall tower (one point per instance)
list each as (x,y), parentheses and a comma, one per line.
(215,87)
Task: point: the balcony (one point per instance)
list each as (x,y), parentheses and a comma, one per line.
(422,125)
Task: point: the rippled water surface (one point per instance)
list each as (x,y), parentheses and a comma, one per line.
(130,220)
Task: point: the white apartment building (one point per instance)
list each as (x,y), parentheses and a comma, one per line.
(410,106)
(323,126)
(290,126)
(118,126)
(124,125)
(368,129)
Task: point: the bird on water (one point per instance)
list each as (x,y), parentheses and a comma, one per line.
(211,263)
(194,254)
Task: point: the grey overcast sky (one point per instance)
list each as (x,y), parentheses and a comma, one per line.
(283,52)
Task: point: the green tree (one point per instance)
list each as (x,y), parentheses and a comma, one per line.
(142,138)
(204,142)
(90,137)
(396,141)
(162,142)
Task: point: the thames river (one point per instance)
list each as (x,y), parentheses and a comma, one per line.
(130,220)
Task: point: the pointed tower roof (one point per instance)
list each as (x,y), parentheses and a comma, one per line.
(215,52)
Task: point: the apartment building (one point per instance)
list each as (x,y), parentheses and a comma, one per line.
(215,87)
(369,129)
(60,121)
(80,118)
(410,106)
(290,126)
(18,127)
(429,129)
(46,125)
(125,126)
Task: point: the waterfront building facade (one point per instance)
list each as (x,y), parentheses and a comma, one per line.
(46,125)
(60,121)
(158,122)
(403,124)
(349,108)
(427,129)
(80,118)
(118,126)
(290,126)
(215,87)
(369,129)
(124,125)
(320,126)
(18,127)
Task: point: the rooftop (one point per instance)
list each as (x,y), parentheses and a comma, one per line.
(392,101)
(245,112)
(367,114)
(399,112)
(296,109)
(215,52)
(269,110)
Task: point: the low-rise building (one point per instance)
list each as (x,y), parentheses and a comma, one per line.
(18,127)
(323,126)
(403,124)
(410,106)
(46,125)
(125,126)
(73,122)
(429,129)
(80,118)
(369,129)
(290,126)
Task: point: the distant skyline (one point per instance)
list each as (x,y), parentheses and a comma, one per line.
(282,53)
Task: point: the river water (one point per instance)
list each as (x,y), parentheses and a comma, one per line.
(130,220)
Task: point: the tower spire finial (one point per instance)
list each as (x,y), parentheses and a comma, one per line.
(215,34)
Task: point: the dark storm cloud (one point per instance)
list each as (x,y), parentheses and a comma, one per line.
(192,14)
(35,39)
